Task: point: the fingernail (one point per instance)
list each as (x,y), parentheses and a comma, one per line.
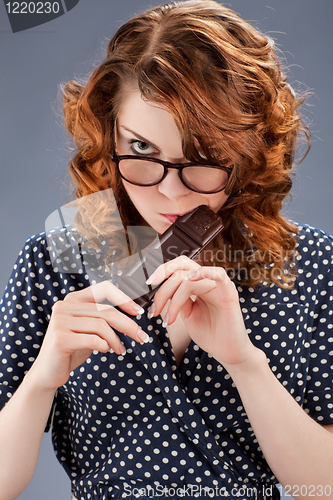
(151,279)
(189,276)
(142,336)
(122,349)
(165,321)
(151,310)
(138,309)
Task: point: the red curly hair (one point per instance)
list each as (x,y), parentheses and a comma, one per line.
(223,83)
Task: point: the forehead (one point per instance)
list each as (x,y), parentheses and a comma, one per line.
(149,120)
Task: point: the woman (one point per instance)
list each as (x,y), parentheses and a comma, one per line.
(225,387)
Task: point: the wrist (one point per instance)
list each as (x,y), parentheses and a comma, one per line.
(254,363)
(34,382)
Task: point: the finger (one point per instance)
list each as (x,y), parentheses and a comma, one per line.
(90,342)
(105,291)
(211,272)
(218,274)
(183,294)
(167,291)
(165,270)
(99,327)
(103,321)
(173,272)
(224,284)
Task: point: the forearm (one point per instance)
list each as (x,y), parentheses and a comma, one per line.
(298,450)
(22,424)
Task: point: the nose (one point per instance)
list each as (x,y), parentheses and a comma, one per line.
(172,187)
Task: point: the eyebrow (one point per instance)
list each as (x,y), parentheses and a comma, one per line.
(143,139)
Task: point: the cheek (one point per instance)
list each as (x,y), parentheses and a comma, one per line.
(138,195)
(218,201)
(130,190)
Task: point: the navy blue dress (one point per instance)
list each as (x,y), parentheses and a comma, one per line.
(138,426)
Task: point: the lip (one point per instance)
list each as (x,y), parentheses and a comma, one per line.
(173,217)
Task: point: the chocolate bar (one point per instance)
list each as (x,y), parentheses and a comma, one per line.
(188,235)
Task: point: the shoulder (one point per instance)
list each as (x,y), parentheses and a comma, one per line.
(313,239)
(49,261)
(57,249)
(59,237)
(314,273)
(314,248)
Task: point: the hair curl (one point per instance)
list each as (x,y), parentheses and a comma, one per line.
(223,83)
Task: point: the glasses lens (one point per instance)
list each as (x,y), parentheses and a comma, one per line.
(205,179)
(141,172)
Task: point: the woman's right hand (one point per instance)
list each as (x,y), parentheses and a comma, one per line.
(81,324)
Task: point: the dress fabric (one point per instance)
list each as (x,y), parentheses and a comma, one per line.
(136,425)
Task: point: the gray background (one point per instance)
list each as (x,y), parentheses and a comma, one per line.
(35,150)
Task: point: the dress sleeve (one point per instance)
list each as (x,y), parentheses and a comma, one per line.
(25,313)
(25,310)
(318,400)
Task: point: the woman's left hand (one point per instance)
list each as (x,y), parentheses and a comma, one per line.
(214,319)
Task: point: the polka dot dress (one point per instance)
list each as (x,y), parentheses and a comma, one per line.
(127,426)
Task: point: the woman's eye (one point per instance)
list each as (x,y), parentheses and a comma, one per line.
(141,147)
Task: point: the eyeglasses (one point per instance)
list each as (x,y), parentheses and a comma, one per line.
(144,171)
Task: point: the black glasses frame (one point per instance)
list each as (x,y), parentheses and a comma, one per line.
(166,165)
